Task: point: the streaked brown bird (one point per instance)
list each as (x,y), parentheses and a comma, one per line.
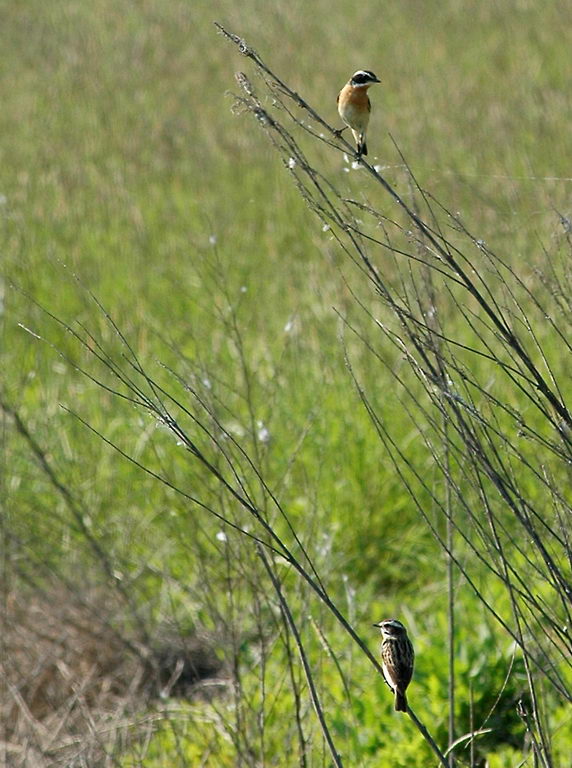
(397,659)
(354,106)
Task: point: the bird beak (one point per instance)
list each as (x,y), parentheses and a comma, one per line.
(376,625)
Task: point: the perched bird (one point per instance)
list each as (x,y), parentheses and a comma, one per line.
(354,106)
(397,658)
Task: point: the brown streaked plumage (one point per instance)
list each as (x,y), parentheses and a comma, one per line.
(354,106)
(397,659)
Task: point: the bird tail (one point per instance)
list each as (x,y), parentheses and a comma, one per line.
(360,142)
(400,702)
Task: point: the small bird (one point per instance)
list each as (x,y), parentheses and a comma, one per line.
(354,106)
(397,657)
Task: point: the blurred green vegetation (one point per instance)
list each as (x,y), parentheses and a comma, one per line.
(126,174)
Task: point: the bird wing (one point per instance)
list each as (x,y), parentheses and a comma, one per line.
(405,675)
(368,104)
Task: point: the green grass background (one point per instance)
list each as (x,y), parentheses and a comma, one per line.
(123,164)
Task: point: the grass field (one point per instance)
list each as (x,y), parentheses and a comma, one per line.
(131,189)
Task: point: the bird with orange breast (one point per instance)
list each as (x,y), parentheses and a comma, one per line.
(354,106)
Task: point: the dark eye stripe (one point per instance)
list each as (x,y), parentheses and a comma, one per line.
(363,76)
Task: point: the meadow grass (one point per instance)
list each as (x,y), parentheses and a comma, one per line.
(127,175)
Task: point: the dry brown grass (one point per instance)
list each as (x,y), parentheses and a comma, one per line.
(73,683)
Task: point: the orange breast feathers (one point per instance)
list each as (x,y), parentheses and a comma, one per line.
(354,106)
(355,96)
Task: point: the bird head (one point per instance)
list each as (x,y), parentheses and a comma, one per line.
(363,78)
(391,628)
